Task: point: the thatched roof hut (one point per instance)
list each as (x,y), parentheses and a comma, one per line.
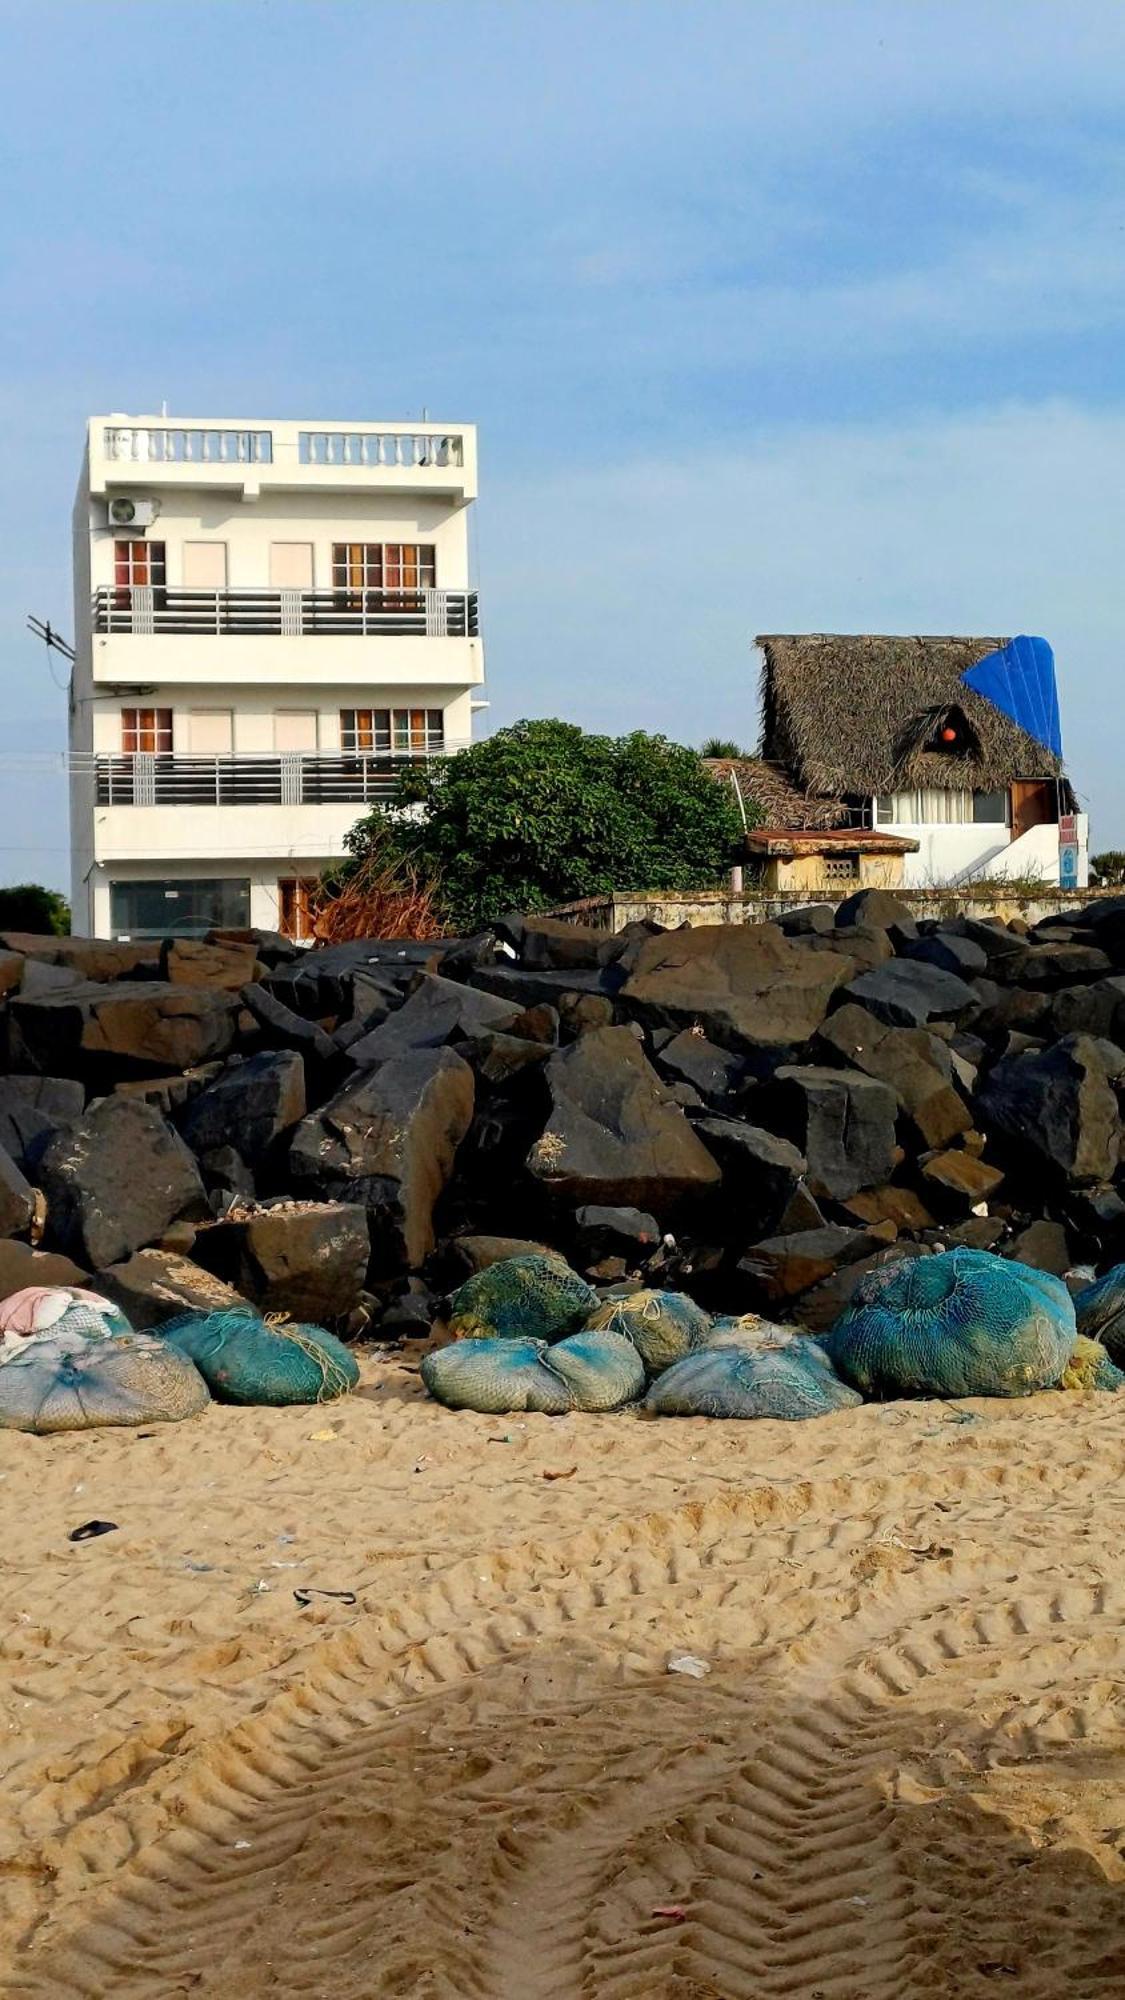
(781,804)
(859,714)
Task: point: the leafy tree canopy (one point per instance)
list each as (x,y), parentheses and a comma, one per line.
(722,746)
(1109,867)
(542,813)
(27,906)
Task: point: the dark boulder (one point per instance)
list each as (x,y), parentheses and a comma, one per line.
(438,1011)
(877,907)
(249,1106)
(622,1232)
(154,1285)
(843,1124)
(388,1139)
(283,1027)
(745,984)
(17,1200)
(714,1072)
(782,1267)
(613,1135)
(913,1062)
(307,1259)
(1049,966)
(32,1110)
(1057,1109)
(907,994)
(761,1173)
(957,1182)
(116,1181)
(948,950)
(127,1029)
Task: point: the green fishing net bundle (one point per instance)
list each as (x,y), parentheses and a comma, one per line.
(244,1358)
(530,1297)
(663,1326)
(791,1378)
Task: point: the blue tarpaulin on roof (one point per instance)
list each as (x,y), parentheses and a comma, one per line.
(1020,680)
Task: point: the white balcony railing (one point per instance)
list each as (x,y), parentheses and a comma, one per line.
(363,777)
(408,448)
(363,614)
(146,444)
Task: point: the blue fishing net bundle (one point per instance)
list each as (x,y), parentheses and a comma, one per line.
(663,1326)
(788,1378)
(962,1323)
(530,1297)
(74,1383)
(585,1371)
(244,1358)
(1100,1309)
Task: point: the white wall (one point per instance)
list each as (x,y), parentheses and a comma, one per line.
(264,913)
(948,855)
(254,709)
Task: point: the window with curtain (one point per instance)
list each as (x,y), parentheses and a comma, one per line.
(386,566)
(146,729)
(419,730)
(136,565)
(931,805)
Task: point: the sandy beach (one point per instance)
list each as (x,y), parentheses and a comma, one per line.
(903,1775)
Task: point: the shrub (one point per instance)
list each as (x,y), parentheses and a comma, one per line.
(27,906)
(542,813)
(1109,867)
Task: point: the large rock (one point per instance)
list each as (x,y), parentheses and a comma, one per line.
(94,958)
(21,1266)
(614,1136)
(126,1029)
(249,1107)
(1050,966)
(32,1110)
(954,953)
(388,1140)
(878,907)
(154,1285)
(1057,1108)
(912,1061)
(907,993)
(782,1267)
(714,1072)
(17,1201)
(1096,1009)
(745,984)
(438,1011)
(282,1027)
(307,1259)
(760,1172)
(116,1181)
(194,962)
(844,1124)
(957,1182)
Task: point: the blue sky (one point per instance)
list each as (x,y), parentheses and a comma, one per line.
(772,317)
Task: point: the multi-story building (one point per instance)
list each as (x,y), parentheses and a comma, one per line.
(270,618)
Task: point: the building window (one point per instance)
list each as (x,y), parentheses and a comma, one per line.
(932,805)
(138,564)
(295,898)
(386,566)
(990,808)
(178,908)
(146,729)
(420,730)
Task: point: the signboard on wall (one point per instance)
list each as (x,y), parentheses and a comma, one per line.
(1068,864)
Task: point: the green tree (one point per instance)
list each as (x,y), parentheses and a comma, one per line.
(541,813)
(27,906)
(721,746)
(1109,867)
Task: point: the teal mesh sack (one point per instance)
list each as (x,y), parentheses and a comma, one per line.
(791,1380)
(246,1359)
(959,1324)
(531,1297)
(1100,1308)
(76,1384)
(663,1326)
(587,1371)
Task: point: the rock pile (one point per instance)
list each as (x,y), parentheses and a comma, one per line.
(757,1116)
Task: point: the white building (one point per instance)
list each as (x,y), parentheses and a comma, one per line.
(270,618)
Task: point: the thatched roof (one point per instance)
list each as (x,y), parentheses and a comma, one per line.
(782,805)
(857,713)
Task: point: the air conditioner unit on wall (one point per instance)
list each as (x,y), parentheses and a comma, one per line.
(122,511)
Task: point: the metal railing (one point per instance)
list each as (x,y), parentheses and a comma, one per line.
(364,614)
(144,444)
(363,777)
(412,449)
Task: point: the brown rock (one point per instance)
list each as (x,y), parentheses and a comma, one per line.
(958,1181)
(744,983)
(190,962)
